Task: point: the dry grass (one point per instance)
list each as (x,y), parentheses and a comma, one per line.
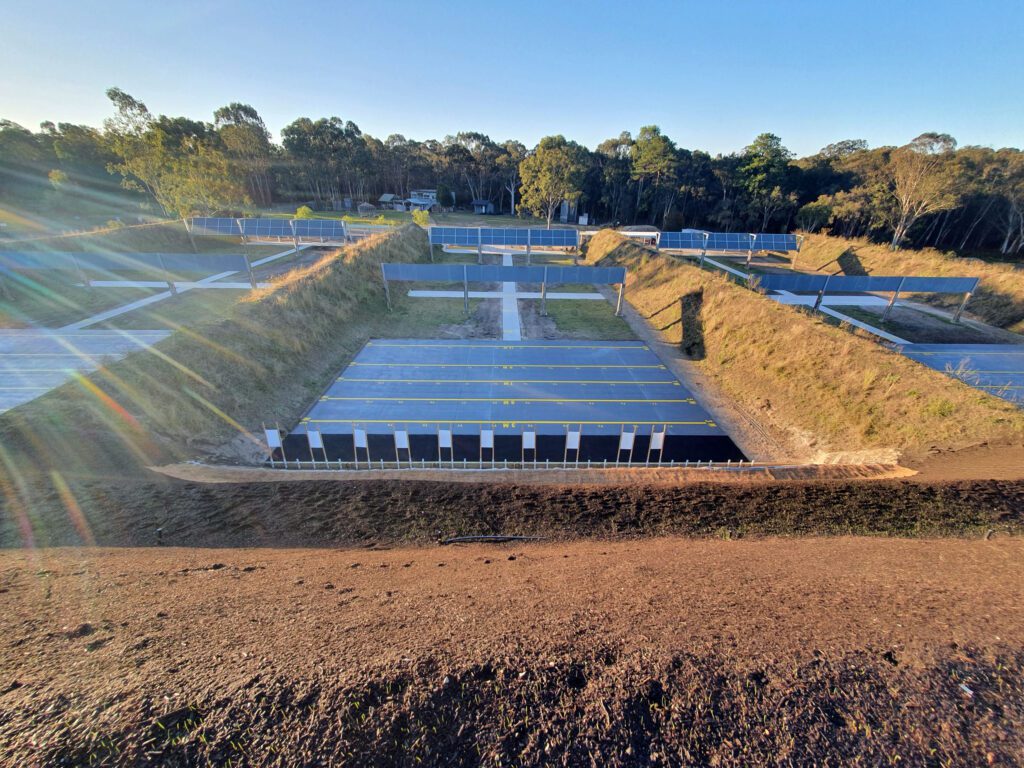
(828,388)
(999,300)
(205,386)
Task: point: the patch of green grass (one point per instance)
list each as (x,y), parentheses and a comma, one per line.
(189,310)
(584,319)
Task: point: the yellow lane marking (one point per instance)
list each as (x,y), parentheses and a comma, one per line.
(514,381)
(497,365)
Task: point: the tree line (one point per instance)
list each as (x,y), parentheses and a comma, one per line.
(927,192)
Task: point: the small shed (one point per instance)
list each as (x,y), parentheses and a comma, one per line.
(366,208)
(391,201)
(483,206)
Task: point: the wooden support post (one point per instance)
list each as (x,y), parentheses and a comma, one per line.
(618,304)
(960,309)
(387,293)
(892,300)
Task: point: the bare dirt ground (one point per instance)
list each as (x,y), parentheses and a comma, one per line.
(329,512)
(667,652)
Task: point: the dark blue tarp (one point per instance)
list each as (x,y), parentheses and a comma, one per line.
(485,273)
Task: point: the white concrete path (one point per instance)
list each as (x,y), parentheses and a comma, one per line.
(101,317)
(511,327)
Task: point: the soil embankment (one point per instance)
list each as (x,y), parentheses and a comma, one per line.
(830,392)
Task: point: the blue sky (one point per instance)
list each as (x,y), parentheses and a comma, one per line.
(711,74)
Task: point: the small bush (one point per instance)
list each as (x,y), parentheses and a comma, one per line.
(304,212)
(421,218)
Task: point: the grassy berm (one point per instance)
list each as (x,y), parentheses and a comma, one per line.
(209,386)
(999,300)
(828,388)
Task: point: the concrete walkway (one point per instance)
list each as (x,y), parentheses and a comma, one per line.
(511,328)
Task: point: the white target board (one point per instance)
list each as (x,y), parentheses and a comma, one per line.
(444,438)
(273,438)
(529,441)
(316,440)
(360,438)
(657,441)
(402,440)
(487,439)
(572,441)
(626,441)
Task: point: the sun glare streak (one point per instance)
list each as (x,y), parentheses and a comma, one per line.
(221,415)
(74,511)
(12,486)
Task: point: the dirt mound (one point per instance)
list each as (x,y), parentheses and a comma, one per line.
(780,652)
(332,512)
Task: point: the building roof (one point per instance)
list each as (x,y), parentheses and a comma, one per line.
(387,198)
(482,202)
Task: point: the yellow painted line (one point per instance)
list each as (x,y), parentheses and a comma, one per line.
(673,382)
(509,400)
(498,345)
(496,365)
(505,423)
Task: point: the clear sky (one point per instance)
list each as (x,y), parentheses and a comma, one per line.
(712,73)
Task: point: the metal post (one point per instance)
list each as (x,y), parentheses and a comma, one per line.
(544,294)
(618,304)
(191,238)
(252,275)
(821,293)
(529,246)
(81,271)
(682,328)
(703,250)
(892,300)
(170,278)
(960,309)
(750,249)
(479,247)
(387,293)
(465,289)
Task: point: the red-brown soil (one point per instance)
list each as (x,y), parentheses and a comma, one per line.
(836,651)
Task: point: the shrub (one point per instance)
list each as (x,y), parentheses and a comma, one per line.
(304,212)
